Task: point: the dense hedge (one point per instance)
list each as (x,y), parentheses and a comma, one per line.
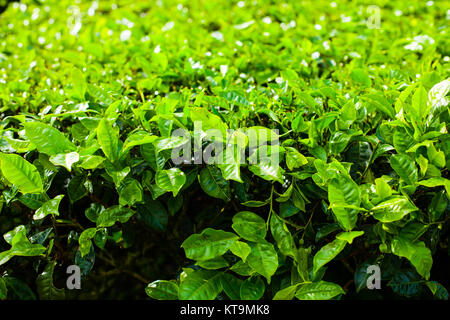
(356,94)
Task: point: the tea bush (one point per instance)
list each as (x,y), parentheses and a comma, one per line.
(93,95)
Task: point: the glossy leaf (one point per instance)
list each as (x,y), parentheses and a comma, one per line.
(321,290)
(209,244)
(344,191)
(108,217)
(108,140)
(21,246)
(416,252)
(252,289)
(21,173)
(349,236)
(328,253)
(45,286)
(170,180)
(249,226)
(263,259)
(48,139)
(213,183)
(162,290)
(49,207)
(240,249)
(201,285)
(393,209)
(282,236)
(405,168)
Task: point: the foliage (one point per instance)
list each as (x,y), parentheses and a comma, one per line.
(90,98)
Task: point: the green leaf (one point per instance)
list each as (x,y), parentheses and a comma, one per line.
(307,99)
(255,203)
(434,182)
(79,84)
(361,76)
(382,149)
(416,252)
(413,230)
(405,168)
(201,285)
(419,107)
(290,208)
(240,249)
(21,173)
(249,226)
(209,244)
(175,204)
(436,157)
(213,264)
(327,253)
(383,188)
(108,140)
(339,141)
(208,120)
(263,259)
(252,289)
(116,172)
(282,236)
(4,290)
(92,162)
(437,206)
(18,289)
(108,217)
(155,159)
(65,159)
(349,236)
(32,201)
(348,112)
(344,191)
(302,257)
(403,141)
(45,287)
(406,284)
(136,139)
(20,246)
(242,269)
(320,290)
(438,290)
(231,286)
(162,144)
(76,189)
(85,240)
(162,290)
(287,293)
(130,192)
(393,210)
(229,164)
(381,104)
(49,207)
(171,180)
(294,159)
(47,139)
(286,195)
(402,97)
(268,171)
(213,183)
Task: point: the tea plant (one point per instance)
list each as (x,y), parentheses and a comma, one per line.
(116,122)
